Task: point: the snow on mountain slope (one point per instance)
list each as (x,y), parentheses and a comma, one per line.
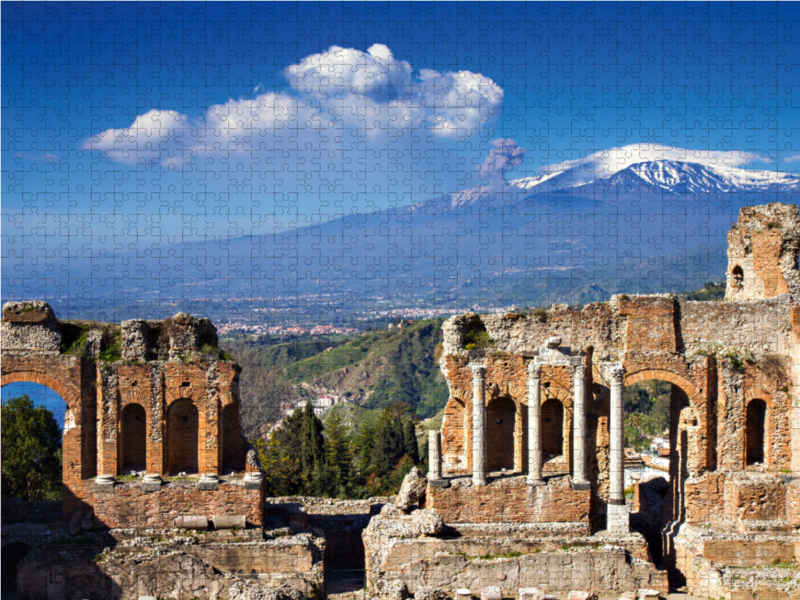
(668,169)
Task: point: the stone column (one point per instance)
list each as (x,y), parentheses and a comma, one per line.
(434,456)
(534,424)
(618,521)
(478,423)
(579,426)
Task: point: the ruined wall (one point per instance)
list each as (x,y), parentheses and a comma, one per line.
(763,248)
(510,501)
(174,565)
(561,563)
(719,357)
(100,369)
(129,505)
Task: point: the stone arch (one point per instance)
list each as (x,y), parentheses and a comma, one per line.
(66,391)
(133,437)
(756,432)
(183,437)
(664,375)
(501,430)
(78,445)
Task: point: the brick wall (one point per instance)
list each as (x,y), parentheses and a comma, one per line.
(510,501)
(127,506)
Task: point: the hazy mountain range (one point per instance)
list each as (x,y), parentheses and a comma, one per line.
(569,234)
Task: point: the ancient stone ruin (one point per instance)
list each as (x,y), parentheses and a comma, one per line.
(525,485)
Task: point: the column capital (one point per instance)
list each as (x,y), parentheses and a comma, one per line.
(534,370)
(579,371)
(614,372)
(478,370)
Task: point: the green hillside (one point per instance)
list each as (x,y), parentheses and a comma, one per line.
(371,369)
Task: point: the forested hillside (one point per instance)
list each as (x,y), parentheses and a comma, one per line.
(371,369)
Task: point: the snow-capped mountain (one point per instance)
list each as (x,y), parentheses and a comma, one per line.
(681,174)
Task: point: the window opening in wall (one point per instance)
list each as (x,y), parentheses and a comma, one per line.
(754,432)
(737,278)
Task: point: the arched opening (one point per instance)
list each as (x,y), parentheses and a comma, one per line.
(183,437)
(737,278)
(39,414)
(552,429)
(12,555)
(501,421)
(133,434)
(660,424)
(234,446)
(755,438)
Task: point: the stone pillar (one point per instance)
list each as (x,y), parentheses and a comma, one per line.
(579,480)
(534,424)
(618,521)
(434,456)
(478,423)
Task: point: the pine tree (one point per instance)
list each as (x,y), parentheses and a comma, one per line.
(410,440)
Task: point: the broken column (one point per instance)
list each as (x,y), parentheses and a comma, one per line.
(618,521)
(579,428)
(478,423)
(434,456)
(534,424)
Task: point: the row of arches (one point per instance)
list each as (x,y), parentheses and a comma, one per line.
(182,436)
(505,430)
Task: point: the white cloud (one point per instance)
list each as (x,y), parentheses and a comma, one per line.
(608,162)
(792,159)
(335,98)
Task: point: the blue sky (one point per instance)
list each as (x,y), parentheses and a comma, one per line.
(127,125)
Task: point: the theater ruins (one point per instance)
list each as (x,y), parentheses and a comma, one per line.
(526,478)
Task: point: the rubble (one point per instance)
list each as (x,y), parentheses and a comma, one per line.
(412,489)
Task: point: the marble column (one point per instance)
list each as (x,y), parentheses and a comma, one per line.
(434,456)
(618,521)
(478,424)
(534,424)
(579,425)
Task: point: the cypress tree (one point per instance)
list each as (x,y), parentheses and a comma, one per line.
(389,446)
(312,443)
(410,440)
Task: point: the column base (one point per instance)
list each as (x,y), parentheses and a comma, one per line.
(535,482)
(478,481)
(208,482)
(253,481)
(104,483)
(618,519)
(438,483)
(151,483)
(580,484)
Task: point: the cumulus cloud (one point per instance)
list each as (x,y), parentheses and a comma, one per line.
(334,98)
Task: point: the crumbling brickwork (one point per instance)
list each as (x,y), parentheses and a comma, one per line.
(763,248)
(734,367)
(510,501)
(146,396)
